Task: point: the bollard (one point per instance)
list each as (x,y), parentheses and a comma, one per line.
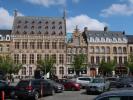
(3,96)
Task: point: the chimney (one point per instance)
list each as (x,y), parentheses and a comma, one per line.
(85,29)
(105,28)
(123,32)
(15,13)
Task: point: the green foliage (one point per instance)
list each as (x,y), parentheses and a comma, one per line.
(129,63)
(78,62)
(107,67)
(46,64)
(7,65)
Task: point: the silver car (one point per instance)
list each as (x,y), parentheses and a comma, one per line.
(97,85)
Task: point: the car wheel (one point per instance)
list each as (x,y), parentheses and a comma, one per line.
(73,89)
(36,96)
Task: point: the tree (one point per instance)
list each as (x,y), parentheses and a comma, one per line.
(106,68)
(46,64)
(78,63)
(8,67)
(129,64)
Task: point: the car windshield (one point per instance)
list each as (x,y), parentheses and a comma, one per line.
(98,81)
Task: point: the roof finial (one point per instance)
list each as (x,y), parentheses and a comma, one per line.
(64,13)
(15,13)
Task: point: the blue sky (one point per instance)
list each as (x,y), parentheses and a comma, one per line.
(94,14)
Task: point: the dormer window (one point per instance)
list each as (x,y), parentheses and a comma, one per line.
(0,37)
(60,27)
(46,27)
(60,23)
(17,32)
(7,38)
(19,21)
(61,33)
(53,33)
(39,27)
(33,22)
(46,32)
(46,22)
(39,22)
(32,32)
(24,32)
(26,22)
(25,26)
(32,27)
(39,32)
(18,26)
(53,22)
(53,27)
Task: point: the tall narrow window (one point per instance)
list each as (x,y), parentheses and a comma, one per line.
(39,45)
(120,60)
(54,70)
(32,45)
(54,45)
(39,57)
(92,59)
(61,70)
(97,59)
(31,58)
(24,45)
(23,58)
(46,56)
(61,58)
(61,45)
(54,57)
(108,59)
(30,70)
(115,59)
(17,45)
(46,45)
(23,70)
(16,58)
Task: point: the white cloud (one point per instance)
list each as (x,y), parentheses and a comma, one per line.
(47,3)
(84,21)
(75,1)
(6,20)
(125,9)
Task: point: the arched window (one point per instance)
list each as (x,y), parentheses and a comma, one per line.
(120,50)
(26,22)
(25,26)
(32,27)
(39,27)
(114,50)
(19,21)
(124,50)
(18,26)
(97,50)
(46,27)
(46,22)
(103,50)
(60,23)
(17,32)
(60,27)
(108,49)
(33,22)
(61,70)
(23,70)
(53,27)
(39,22)
(53,22)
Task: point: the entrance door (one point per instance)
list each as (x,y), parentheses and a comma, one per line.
(92,72)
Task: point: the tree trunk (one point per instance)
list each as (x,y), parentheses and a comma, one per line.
(77,73)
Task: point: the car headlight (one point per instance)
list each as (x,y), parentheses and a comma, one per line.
(76,84)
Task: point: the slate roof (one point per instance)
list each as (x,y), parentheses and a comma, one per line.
(25,23)
(5,32)
(109,34)
(130,39)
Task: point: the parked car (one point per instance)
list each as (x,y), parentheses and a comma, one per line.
(121,94)
(124,82)
(113,81)
(8,90)
(57,87)
(83,81)
(33,88)
(69,84)
(97,85)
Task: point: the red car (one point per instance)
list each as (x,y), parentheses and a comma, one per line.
(69,84)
